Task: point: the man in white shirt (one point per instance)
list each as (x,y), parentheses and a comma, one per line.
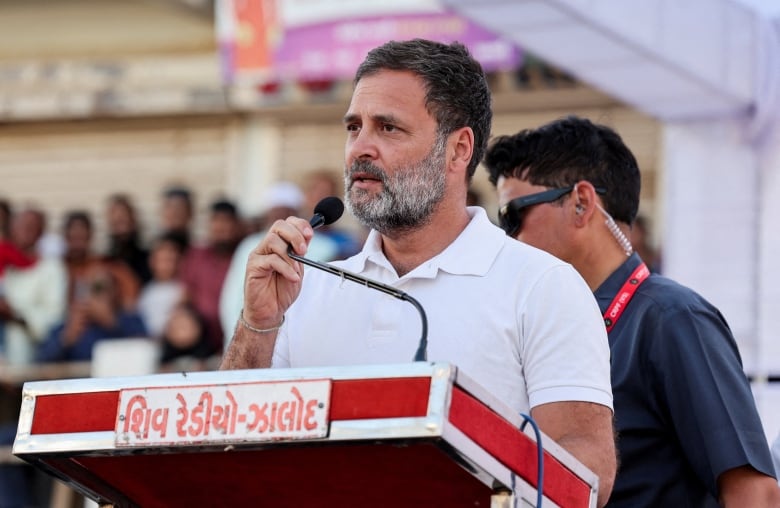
(35,297)
(518,321)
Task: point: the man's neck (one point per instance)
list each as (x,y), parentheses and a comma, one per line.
(599,260)
(596,273)
(409,249)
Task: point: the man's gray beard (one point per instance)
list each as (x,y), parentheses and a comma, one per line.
(408,197)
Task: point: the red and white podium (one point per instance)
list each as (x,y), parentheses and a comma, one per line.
(418,434)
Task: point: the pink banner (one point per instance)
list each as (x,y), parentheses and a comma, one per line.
(333,50)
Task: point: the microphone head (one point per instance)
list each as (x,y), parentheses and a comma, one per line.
(329,209)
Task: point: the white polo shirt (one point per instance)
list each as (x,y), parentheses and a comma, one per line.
(515,319)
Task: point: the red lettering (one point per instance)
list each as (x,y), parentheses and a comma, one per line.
(272,429)
(310,421)
(183,416)
(215,411)
(160,421)
(196,425)
(299,407)
(261,417)
(224,417)
(137,418)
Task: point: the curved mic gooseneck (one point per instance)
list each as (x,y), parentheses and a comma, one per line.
(328,211)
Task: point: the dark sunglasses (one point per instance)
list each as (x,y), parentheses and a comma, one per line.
(511,215)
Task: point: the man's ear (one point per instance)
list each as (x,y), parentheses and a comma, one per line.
(583,202)
(460,149)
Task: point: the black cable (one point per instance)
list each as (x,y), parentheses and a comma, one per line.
(539,458)
(421,354)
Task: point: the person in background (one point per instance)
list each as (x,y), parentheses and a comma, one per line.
(689,432)
(165,291)
(93,316)
(416,128)
(35,297)
(10,257)
(16,485)
(279,201)
(178,213)
(79,260)
(10,254)
(124,237)
(184,340)
(204,268)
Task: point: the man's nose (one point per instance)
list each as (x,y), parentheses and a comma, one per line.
(362,146)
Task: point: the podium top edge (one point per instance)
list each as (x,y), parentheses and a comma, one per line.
(376,371)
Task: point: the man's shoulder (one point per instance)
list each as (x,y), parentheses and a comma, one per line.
(669,295)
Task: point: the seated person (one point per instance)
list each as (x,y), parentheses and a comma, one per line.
(95,316)
(33,298)
(80,259)
(161,294)
(11,256)
(184,339)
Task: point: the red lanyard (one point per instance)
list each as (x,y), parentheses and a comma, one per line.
(624,296)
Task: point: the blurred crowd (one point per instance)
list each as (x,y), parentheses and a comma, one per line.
(59,296)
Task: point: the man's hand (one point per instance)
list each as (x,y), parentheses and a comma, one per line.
(272,283)
(75,324)
(102,310)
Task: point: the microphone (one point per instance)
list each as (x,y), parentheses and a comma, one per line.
(328,211)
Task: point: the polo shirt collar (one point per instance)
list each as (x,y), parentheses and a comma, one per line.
(472,252)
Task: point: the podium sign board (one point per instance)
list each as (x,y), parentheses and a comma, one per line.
(418,434)
(219,414)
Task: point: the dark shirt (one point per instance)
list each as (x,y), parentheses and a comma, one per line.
(129,251)
(201,350)
(684,412)
(52,350)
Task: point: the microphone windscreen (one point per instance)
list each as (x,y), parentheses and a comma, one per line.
(330,208)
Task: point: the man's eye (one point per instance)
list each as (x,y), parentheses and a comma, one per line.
(353,127)
(388,128)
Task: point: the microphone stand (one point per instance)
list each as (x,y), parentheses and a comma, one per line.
(421,354)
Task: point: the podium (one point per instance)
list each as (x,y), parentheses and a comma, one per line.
(406,435)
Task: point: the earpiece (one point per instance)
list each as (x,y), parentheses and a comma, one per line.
(578,209)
